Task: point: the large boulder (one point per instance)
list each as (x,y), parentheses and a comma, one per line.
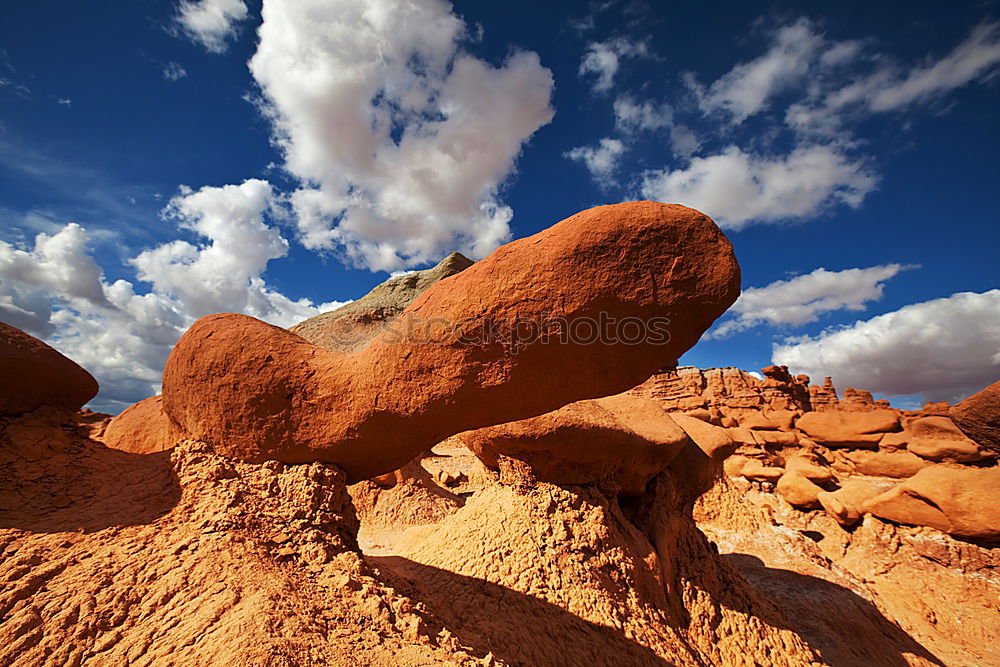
(143,428)
(798,490)
(35,375)
(353,325)
(848,429)
(621,440)
(938,439)
(961,501)
(979,416)
(577,311)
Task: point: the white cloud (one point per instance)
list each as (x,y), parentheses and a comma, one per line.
(890,87)
(601,161)
(944,349)
(401,140)
(803,299)
(976,56)
(56,290)
(174,72)
(65,101)
(632,116)
(211,22)
(602,60)
(737,188)
(748,87)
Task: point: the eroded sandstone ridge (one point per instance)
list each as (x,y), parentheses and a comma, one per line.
(492,497)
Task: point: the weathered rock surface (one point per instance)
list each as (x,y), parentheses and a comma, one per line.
(979,416)
(257,392)
(620,441)
(938,439)
(848,429)
(798,490)
(36,375)
(353,325)
(143,428)
(964,502)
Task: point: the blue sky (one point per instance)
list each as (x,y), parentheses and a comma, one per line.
(160,160)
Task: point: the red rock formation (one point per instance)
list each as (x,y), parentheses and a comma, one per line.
(35,374)
(848,429)
(939,439)
(964,502)
(143,428)
(726,390)
(979,416)
(258,392)
(825,397)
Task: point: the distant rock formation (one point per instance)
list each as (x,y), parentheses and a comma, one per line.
(353,325)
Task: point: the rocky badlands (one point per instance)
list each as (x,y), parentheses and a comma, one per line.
(466,467)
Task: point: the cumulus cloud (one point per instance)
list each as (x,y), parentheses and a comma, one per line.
(804,298)
(601,160)
(602,60)
(57,291)
(944,349)
(737,188)
(211,23)
(401,140)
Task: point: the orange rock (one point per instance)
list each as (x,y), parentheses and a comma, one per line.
(938,439)
(798,491)
(623,439)
(459,357)
(776,438)
(756,471)
(898,465)
(756,421)
(847,504)
(964,502)
(811,470)
(143,428)
(848,429)
(712,440)
(35,374)
(979,416)
(894,442)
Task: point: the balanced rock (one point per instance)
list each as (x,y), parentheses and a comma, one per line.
(622,439)
(353,325)
(35,375)
(143,428)
(979,416)
(577,311)
(961,501)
